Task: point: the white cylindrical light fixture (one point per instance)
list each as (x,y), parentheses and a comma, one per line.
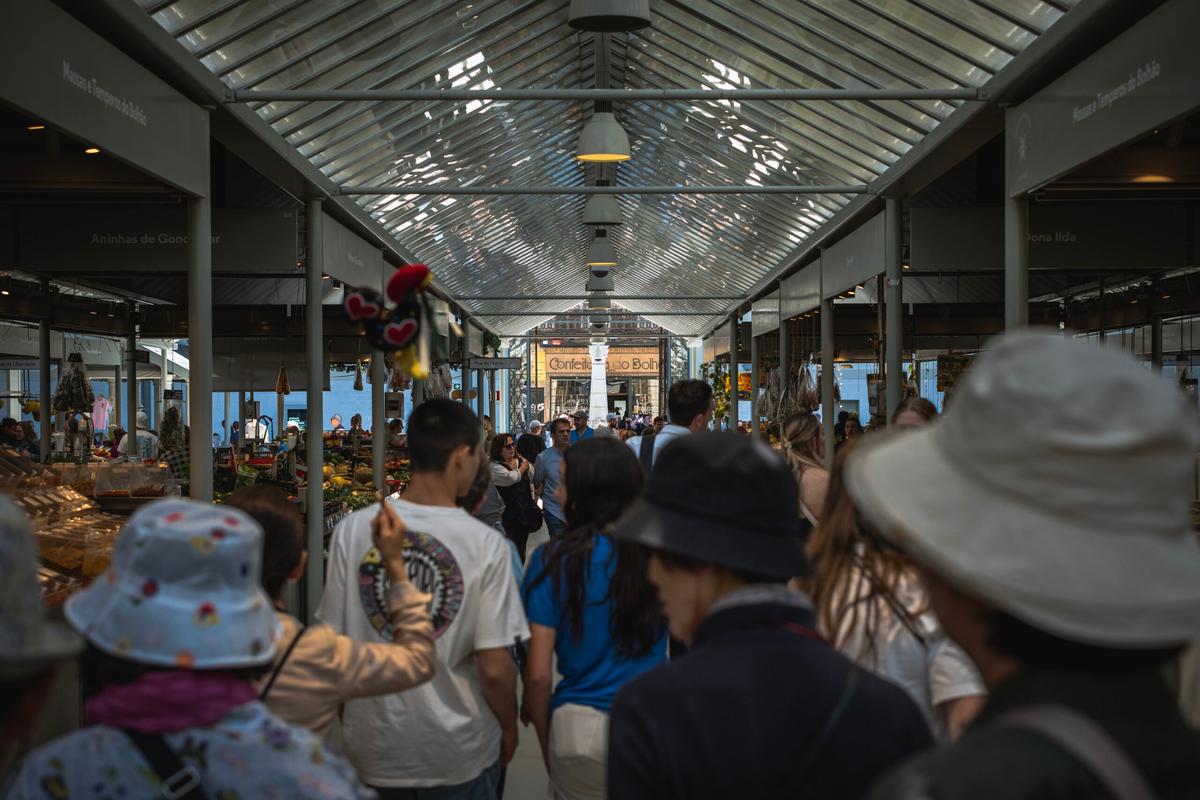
(603,140)
(600,283)
(601,252)
(602,209)
(609,16)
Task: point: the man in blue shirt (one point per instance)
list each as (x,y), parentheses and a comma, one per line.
(548,472)
(690,405)
(582,431)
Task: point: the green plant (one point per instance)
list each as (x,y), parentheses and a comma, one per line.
(716,374)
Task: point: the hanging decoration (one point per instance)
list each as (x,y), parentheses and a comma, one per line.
(404,328)
(74,391)
(358,381)
(281,382)
(170,434)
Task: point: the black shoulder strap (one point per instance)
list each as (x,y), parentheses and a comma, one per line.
(279,664)
(179,781)
(646,453)
(1086,741)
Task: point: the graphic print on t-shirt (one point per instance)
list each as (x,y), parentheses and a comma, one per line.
(431,567)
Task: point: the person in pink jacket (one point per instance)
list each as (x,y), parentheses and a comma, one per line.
(317,669)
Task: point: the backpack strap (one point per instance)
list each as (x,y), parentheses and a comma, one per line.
(279,664)
(646,452)
(178,781)
(1088,743)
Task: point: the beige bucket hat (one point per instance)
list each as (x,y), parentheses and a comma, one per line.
(1058,487)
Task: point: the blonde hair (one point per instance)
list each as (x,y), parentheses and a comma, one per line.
(800,436)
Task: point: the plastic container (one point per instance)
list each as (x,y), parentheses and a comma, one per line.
(115,480)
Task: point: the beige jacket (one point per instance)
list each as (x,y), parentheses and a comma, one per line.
(326,669)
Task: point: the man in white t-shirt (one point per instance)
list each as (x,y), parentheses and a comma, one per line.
(457,731)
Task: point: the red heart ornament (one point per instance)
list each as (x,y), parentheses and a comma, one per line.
(358,308)
(406,279)
(400,334)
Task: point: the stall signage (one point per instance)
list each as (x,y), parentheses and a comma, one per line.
(801,292)
(1060,237)
(393,404)
(56,69)
(92,239)
(764,315)
(1142,79)
(349,257)
(854,259)
(173,394)
(620,362)
(494,363)
(21,363)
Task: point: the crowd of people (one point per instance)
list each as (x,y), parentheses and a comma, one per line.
(988,605)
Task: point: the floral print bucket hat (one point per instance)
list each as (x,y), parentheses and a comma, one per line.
(182,590)
(29,641)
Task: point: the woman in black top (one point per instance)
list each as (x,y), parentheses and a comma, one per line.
(511,475)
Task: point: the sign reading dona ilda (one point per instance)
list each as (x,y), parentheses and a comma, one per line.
(1144,78)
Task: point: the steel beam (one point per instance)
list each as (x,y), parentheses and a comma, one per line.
(733,372)
(827,378)
(200,349)
(893,339)
(609,95)
(546,189)
(629,314)
(1016,262)
(467,299)
(314,365)
(131,382)
(44,381)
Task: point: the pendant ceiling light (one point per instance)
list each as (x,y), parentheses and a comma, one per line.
(602,209)
(599,319)
(600,283)
(601,252)
(603,139)
(598,302)
(609,16)
(599,340)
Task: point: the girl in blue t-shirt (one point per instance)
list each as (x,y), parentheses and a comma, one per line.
(589,603)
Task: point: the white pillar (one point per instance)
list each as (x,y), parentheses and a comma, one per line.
(379,430)
(598,391)
(827,378)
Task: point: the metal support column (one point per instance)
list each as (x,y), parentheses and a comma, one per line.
(528,381)
(379,431)
(733,373)
(491,402)
(479,395)
(1016,262)
(894,305)
(200,348)
(314,367)
(1156,343)
(114,414)
(44,378)
(785,356)
(131,381)
(226,420)
(828,415)
(754,432)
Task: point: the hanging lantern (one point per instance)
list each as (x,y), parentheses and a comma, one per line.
(358,381)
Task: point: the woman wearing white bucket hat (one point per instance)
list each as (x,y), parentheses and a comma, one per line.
(178,627)
(1049,510)
(31,646)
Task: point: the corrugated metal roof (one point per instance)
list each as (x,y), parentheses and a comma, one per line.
(529,245)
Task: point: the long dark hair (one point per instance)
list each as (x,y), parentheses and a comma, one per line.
(496,451)
(602,480)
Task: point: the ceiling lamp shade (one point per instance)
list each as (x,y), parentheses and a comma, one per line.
(599,302)
(609,16)
(602,209)
(599,319)
(600,283)
(601,253)
(599,340)
(603,140)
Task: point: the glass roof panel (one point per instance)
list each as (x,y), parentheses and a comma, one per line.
(531,245)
